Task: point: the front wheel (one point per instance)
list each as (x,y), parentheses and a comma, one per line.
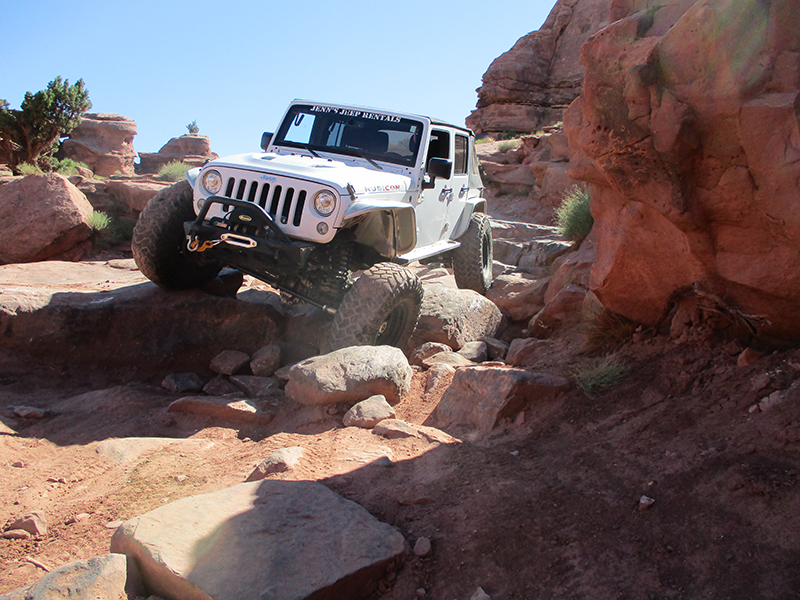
(472,261)
(380,309)
(159,239)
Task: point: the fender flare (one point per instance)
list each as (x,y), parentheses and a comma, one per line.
(403,223)
(474,205)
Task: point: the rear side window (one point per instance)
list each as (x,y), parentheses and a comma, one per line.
(461,159)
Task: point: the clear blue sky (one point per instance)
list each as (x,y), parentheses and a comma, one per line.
(233,66)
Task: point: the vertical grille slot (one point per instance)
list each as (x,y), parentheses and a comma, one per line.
(241,189)
(251,197)
(298,210)
(262,201)
(276,198)
(287,205)
(229,187)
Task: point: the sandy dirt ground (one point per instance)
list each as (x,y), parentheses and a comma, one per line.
(546,506)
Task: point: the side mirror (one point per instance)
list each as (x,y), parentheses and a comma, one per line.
(440,167)
(266,138)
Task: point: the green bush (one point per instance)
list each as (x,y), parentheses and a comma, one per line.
(507,145)
(598,374)
(574,217)
(98,220)
(28,169)
(172,171)
(193,128)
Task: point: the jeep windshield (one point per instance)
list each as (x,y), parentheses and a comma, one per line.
(372,135)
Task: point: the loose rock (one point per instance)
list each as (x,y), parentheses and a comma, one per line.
(180,383)
(368,413)
(266,361)
(34,522)
(254,386)
(229,362)
(350,375)
(422,547)
(280,461)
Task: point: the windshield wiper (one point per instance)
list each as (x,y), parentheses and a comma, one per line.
(307,147)
(367,158)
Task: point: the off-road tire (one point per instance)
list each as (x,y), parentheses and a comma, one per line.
(472,261)
(380,309)
(158,241)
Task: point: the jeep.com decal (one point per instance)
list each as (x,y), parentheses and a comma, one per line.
(392,187)
(349,112)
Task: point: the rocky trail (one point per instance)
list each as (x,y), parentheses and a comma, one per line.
(680,482)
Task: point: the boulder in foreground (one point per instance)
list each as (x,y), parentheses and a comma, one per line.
(41,217)
(283,540)
(104,577)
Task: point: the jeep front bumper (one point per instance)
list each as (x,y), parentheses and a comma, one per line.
(246,238)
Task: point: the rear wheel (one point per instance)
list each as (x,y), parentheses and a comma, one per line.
(158,241)
(380,309)
(472,261)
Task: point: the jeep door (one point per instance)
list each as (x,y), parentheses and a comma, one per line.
(438,208)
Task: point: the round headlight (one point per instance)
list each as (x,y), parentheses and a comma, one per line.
(212,181)
(324,203)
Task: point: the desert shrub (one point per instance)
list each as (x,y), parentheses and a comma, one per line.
(507,145)
(98,220)
(28,169)
(507,135)
(120,230)
(595,375)
(193,128)
(172,171)
(66,166)
(573,216)
(605,331)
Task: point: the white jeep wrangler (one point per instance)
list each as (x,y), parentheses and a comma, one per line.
(337,189)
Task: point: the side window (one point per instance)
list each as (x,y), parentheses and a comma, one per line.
(439,146)
(461,159)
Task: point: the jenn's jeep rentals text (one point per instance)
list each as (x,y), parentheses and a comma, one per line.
(338,189)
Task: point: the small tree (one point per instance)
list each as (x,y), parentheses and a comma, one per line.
(193,128)
(33,131)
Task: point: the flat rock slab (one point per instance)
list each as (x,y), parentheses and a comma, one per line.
(107,315)
(240,410)
(282,540)
(125,450)
(104,577)
(393,429)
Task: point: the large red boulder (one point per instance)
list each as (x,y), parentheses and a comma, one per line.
(192,149)
(104,142)
(41,217)
(687,130)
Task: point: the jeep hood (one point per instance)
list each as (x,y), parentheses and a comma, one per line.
(325,171)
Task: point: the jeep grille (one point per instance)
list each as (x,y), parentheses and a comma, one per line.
(284,203)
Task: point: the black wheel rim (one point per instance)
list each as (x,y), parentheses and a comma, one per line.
(486,255)
(392,327)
